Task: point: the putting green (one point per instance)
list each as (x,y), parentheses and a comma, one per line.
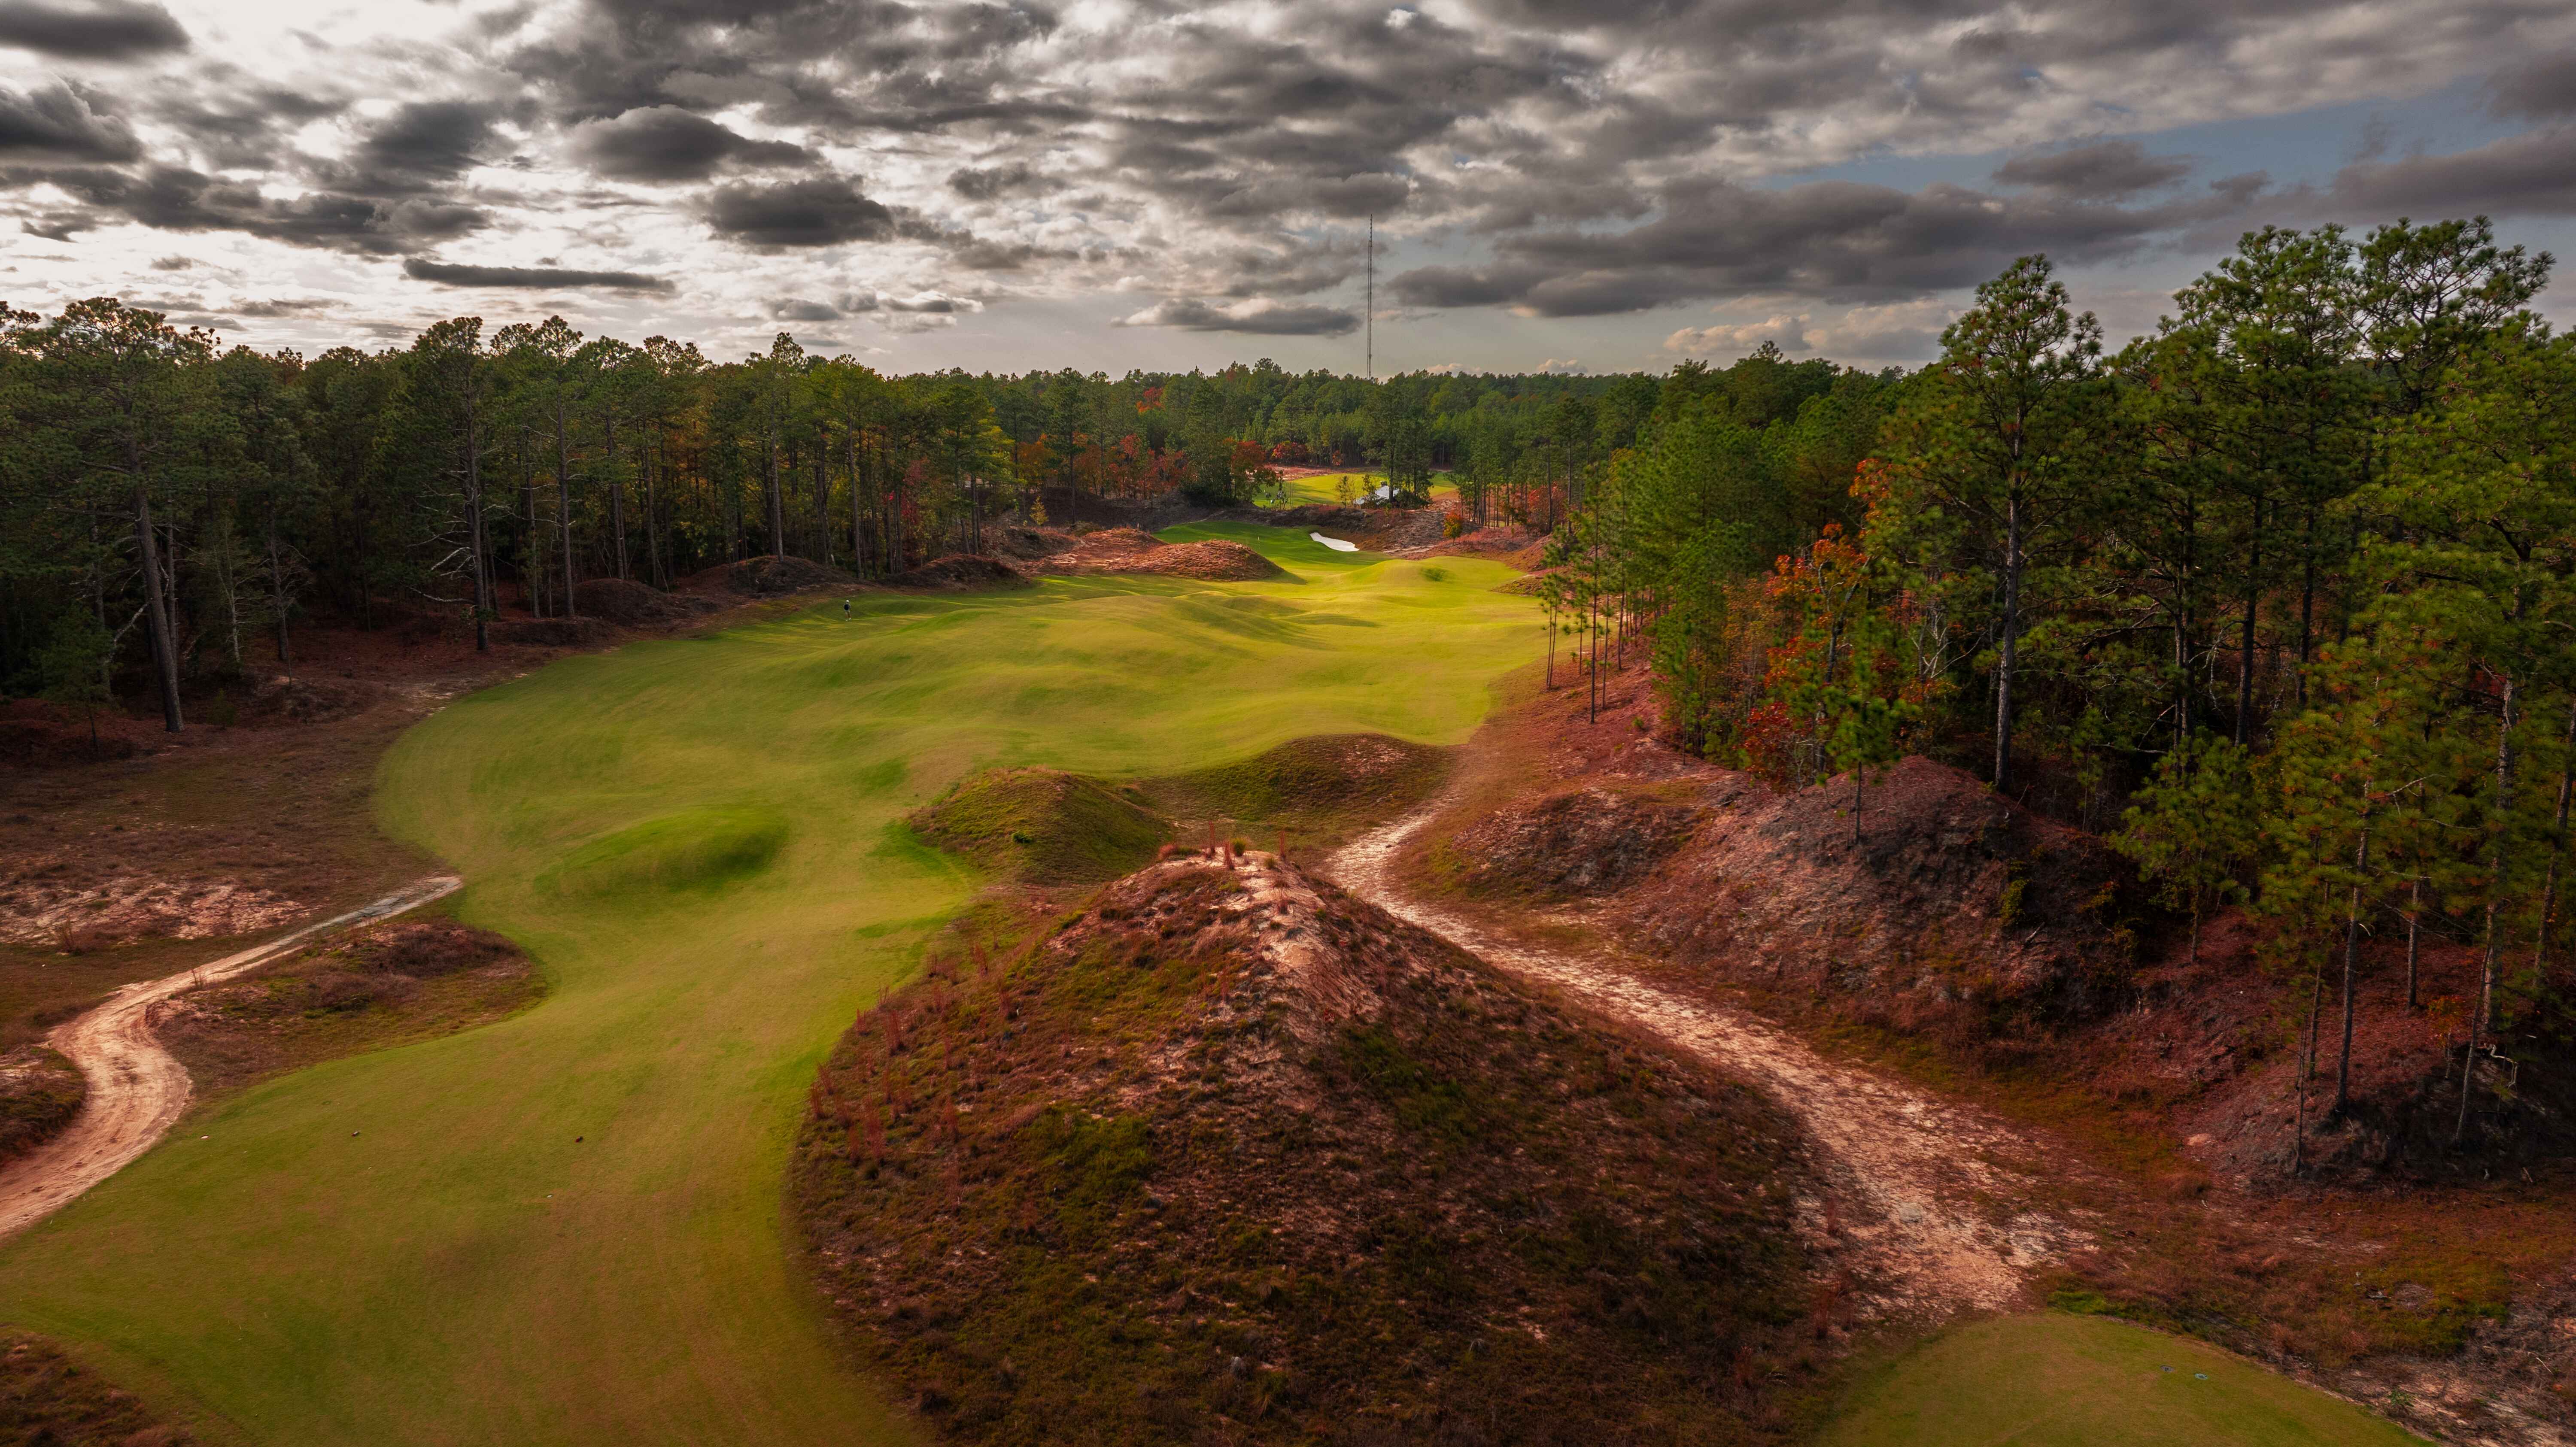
(1322,487)
(2053,1380)
(568,1227)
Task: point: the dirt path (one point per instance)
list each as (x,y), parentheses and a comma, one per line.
(1933,1199)
(136,1091)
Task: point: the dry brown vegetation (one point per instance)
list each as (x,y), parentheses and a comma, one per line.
(40,1092)
(411,979)
(1227,1156)
(47,1400)
(1132,550)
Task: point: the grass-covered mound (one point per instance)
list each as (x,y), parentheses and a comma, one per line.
(1228,1156)
(692,849)
(1044,826)
(390,984)
(1318,788)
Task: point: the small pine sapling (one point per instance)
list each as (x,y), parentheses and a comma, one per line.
(2196,824)
(74,666)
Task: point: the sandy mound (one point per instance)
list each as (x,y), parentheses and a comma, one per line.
(1946,899)
(1948,910)
(1013,541)
(1318,786)
(765,577)
(1586,841)
(633,605)
(962,570)
(1232,1157)
(34,910)
(1132,550)
(556,632)
(307,700)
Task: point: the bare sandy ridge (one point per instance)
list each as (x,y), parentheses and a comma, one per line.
(1932,1197)
(136,1090)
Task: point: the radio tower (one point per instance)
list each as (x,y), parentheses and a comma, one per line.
(1371,303)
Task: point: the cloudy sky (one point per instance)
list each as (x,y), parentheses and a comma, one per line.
(1604,184)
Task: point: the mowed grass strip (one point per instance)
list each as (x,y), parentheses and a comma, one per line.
(2055,1380)
(568,1227)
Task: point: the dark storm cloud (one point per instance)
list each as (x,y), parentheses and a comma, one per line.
(1836,240)
(819,211)
(104,31)
(288,307)
(531,277)
(2106,171)
(994,183)
(2532,174)
(60,123)
(246,129)
(420,147)
(1598,156)
(2536,89)
(174,198)
(805,311)
(666,143)
(1267,321)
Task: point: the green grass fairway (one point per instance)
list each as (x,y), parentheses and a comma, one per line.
(699,841)
(2053,1380)
(1321,487)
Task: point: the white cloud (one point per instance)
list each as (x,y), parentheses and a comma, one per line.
(1787,332)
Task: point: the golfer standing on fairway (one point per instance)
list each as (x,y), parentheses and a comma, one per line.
(845,610)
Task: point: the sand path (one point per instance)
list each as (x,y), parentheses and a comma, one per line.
(1931,1200)
(136,1090)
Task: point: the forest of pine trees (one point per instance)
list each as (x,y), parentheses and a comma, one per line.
(2281,597)
(170,506)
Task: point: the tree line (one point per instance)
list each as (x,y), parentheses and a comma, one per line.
(170,505)
(2280,596)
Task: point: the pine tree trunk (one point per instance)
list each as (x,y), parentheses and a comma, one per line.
(2414,939)
(2557,847)
(2004,656)
(277,588)
(156,606)
(2245,642)
(2351,962)
(2483,1019)
(777,503)
(481,541)
(616,499)
(563,505)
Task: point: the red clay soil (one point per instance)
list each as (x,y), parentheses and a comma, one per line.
(1504,543)
(2002,959)
(962,570)
(633,605)
(1132,550)
(770,576)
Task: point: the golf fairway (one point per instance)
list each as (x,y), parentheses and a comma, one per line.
(568,1227)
